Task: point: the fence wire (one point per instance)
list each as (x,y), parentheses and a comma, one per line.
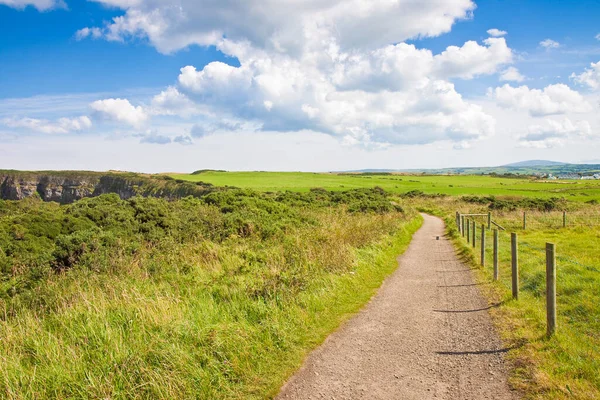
(489,238)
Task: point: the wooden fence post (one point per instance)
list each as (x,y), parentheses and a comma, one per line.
(514,265)
(468,231)
(474,228)
(489,220)
(564,219)
(550,288)
(524,220)
(495,254)
(482,245)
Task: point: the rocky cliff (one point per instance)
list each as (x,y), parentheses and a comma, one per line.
(67,187)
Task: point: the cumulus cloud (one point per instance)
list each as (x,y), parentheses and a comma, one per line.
(41,5)
(120,110)
(282,25)
(496,32)
(402,66)
(511,74)
(555,133)
(394,94)
(94,33)
(60,126)
(553,99)
(590,77)
(315,66)
(472,59)
(172,102)
(597,36)
(549,44)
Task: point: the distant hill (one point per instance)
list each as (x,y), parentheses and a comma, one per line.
(534,163)
(371,171)
(523,168)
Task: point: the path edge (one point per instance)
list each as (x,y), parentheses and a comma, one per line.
(345,318)
(518,368)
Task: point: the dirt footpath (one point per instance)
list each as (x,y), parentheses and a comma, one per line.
(425,335)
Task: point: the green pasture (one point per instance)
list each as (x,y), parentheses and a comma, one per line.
(581,191)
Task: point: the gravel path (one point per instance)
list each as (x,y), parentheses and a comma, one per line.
(425,335)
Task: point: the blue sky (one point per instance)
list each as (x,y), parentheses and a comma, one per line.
(181,85)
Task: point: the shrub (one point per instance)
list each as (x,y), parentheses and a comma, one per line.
(70,249)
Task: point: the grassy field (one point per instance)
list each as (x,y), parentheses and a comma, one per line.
(581,191)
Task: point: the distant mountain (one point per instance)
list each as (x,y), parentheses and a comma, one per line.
(534,163)
(371,170)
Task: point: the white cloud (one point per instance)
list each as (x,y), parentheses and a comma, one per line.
(217,80)
(590,77)
(172,102)
(597,36)
(283,25)
(75,124)
(41,5)
(472,59)
(60,126)
(94,33)
(512,74)
(401,66)
(496,32)
(301,96)
(553,99)
(549,44)
(120,110)
(325,66)
(394,94)
(555,133)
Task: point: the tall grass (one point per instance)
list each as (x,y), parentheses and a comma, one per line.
(196,317)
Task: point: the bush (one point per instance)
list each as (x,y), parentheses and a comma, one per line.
(533,204)
(37,238)
(72,249)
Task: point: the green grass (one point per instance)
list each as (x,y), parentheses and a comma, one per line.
(451,185)
(214,298)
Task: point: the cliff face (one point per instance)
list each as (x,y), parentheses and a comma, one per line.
(49,188)
(64,189)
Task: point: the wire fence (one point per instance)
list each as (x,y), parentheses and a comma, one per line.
(481,223)
(523,220)
(478,232)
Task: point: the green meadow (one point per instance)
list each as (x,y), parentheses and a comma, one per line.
(576,190)
(222,295)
